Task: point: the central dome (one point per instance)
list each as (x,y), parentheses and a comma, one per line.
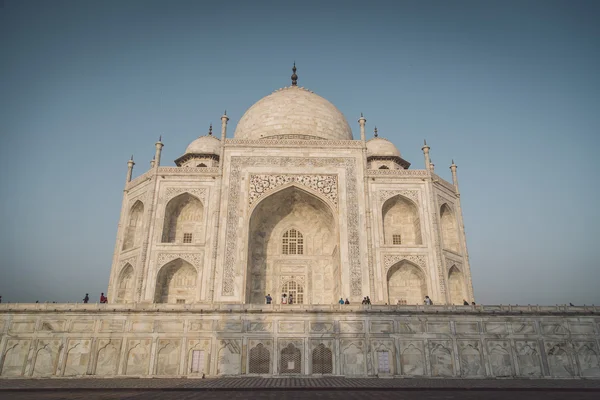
(293,112)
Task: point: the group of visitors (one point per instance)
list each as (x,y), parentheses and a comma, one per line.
(366,301)
(344,302)
(103,298)
(285,299)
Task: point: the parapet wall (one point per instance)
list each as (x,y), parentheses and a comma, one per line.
(77,340)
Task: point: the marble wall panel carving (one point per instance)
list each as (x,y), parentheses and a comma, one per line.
(322,356)
(554,329)
(412,358)
(142,326)
(321,327)
(260,356)
(22,326)
(233,325)
(523,328)
(83,325)
(498,328)
(112,325)
(588,358)
(262,184)
(53,325)
(382,327)
(201,326)
(202,346)
(138,356)
(260,326)
(169,326)
(46,357)
(229,357)
(353,357)
(559,359)
(291,326)
(581,329)
(384,355)
(441,358)
(107,360)
(14,357)
(410,327)
(500,358)
(528,358)
(438,327)
(471,359)
(352,326)
(467,327)
(167,362)
(78,357)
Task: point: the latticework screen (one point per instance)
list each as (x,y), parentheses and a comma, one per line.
(322,360)
(290,360)
(260,360)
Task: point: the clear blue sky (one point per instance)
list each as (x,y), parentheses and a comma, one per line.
(509,89)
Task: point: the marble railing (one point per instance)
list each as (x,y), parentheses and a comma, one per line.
(294,308)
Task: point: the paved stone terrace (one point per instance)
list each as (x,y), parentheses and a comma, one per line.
(319,384)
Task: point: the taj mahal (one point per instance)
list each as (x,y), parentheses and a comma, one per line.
(293,204)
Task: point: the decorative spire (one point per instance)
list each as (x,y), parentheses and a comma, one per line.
(453,161)
(375,132)
(132,159)
(361,115)
(294,76)
(425,142)
(160,138)
(210,130)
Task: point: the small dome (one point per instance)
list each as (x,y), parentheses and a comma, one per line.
(204,145)
(293,111)
(381,147)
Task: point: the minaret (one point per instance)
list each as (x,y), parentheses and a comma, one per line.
(294,76)
(362,121)
(453,168)
(159,146)
(431,166)
(130,165)
(152,162)
(224,119)
(425,149)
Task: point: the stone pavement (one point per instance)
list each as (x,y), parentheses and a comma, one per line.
(330,383)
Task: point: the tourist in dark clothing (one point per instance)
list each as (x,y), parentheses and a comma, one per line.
(103,298)
(346,302)
(368,300)
(465,303)
(269,298)
(86,298)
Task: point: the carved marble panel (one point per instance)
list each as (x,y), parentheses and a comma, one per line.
(112,325)
(15,355)
(353,357)
(291,326)
(500,358)
(138,356)
(260,326)
(352,326)
(22,326)
(53,326)
(78,357)
(83,325)
(412,358)
(441,358)
(382,327)
(582,328)
(107,360)
(169,326)
(167,360)
(471,359)
(142,326)
(523,328)
(467,327)
(202,360)
(588,358)
(201,326)
(229,357)
(498,328)
(262,184)
(232,325)
(554,329)
(438,327)
(559,359)
(46,357)
(528,358)
(410,327)
(321,327)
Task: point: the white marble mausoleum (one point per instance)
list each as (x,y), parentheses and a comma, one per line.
(293,204)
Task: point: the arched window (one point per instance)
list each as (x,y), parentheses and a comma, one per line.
(201,165)
(383,167)
(295,291)
(292,242)
(134,225)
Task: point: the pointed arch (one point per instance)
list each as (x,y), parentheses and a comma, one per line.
(456,285)
(449,228)
(286,226)
(384,167)
(260,360)
(406,283)
(176,283)
(322,360)
(134,225)
(401,222)
(183,219)
(125,285)
(201,165)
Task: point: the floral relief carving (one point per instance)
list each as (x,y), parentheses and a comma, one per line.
(409,173)
(130,260)
(442,200)
(297,278)
(171,192)
(232,234)
(193,258)
(410,194)
(293,143)
(188,170)
(263,184)
(391,259)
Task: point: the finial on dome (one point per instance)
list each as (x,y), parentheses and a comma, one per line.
(160,138)
(225,113)
(375,132)
(132,159)
(361,115)
(294,76)
(425,142)
(210,130)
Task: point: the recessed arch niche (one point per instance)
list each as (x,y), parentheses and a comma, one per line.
(183,219)
(456,284)
(401,217)
(406,284)
(125,285)
(449,228)
(134,225)
(176,283)
(270,265)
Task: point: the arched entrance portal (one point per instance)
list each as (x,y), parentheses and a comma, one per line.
(293,246)
(406,284)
